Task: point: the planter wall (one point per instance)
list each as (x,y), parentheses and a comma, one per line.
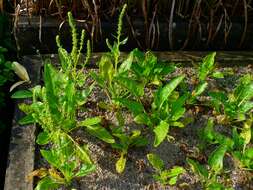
(22,142)
(31,36)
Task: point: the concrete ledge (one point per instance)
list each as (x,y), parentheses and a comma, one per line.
(22,142)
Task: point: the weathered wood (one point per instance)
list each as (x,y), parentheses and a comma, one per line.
(22,142)
(37,33)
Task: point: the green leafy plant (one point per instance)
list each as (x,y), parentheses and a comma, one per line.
(206,69)
(164,176)
(236,145)
(148,69)
(114,79)
(167,109)
(121,90)
(234,106)
(209,177)
(54,107)
(124,142)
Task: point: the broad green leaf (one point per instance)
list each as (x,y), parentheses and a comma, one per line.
(28,119)
(83,154)
(173,180)
(101,133)
(143,118)
(216,186)
(124,139)
(121,163)
(177,109)
(100,81)
(106,70)
(51,157)
(47,183)
(246,132)
(164,92)
(199,89)
(170,176)
(206,66)
(161,132)
(135,107)
(249,153)
(126,65)
(216,158)
(139,141)
(148,64)
(43,138)
(138,55)
(67,168)
(217,99)
(244,91)
(90,121)
(238,141)
(246,107)
(177,124)
(208,133)
(164,68)
(51,95)
(224,140)
(134,87)
(22,94)
(137,69)
(82,96)
(220,96)
(156,161)
(197,168)
(175,171)
(218,75)
(70,100)
(85,170)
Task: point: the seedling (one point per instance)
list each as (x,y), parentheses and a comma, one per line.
(236,105)
(167,109)
(164,176)
(209,177)
(148,69)
(206,70)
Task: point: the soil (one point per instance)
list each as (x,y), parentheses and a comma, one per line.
(138,173)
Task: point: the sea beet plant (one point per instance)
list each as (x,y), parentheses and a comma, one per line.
(120,89)
(162,175)
(54,107)
(137,83)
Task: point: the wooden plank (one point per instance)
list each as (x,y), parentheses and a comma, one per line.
(22,142)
